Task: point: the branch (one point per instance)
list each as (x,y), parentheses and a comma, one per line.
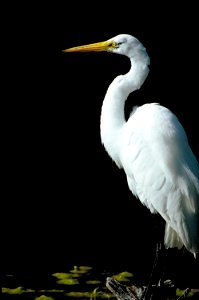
(166,291)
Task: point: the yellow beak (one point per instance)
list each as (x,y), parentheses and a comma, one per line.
(101,46)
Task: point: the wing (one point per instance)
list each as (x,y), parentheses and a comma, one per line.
(161,169)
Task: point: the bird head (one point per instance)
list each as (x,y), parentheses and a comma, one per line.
(123,44)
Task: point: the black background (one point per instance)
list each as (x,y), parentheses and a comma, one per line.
(65,200)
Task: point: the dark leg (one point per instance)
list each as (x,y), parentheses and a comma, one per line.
(158,269)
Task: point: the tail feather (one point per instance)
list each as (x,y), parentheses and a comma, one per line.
(171,238)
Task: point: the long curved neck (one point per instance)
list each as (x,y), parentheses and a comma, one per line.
(112,113)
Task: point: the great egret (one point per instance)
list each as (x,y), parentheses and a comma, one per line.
(151,147)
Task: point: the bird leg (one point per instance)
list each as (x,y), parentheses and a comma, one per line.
(157,268)
(162,290)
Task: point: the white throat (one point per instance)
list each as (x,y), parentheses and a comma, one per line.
(112,114)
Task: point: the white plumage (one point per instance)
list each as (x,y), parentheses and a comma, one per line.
(151,147)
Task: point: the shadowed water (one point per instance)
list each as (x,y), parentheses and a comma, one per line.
(82,282)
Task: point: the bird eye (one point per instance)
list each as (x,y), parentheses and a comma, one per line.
(118,44)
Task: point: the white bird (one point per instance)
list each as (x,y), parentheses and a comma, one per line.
(151,146)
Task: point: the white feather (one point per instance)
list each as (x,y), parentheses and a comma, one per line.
(153,150)
(151,147)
